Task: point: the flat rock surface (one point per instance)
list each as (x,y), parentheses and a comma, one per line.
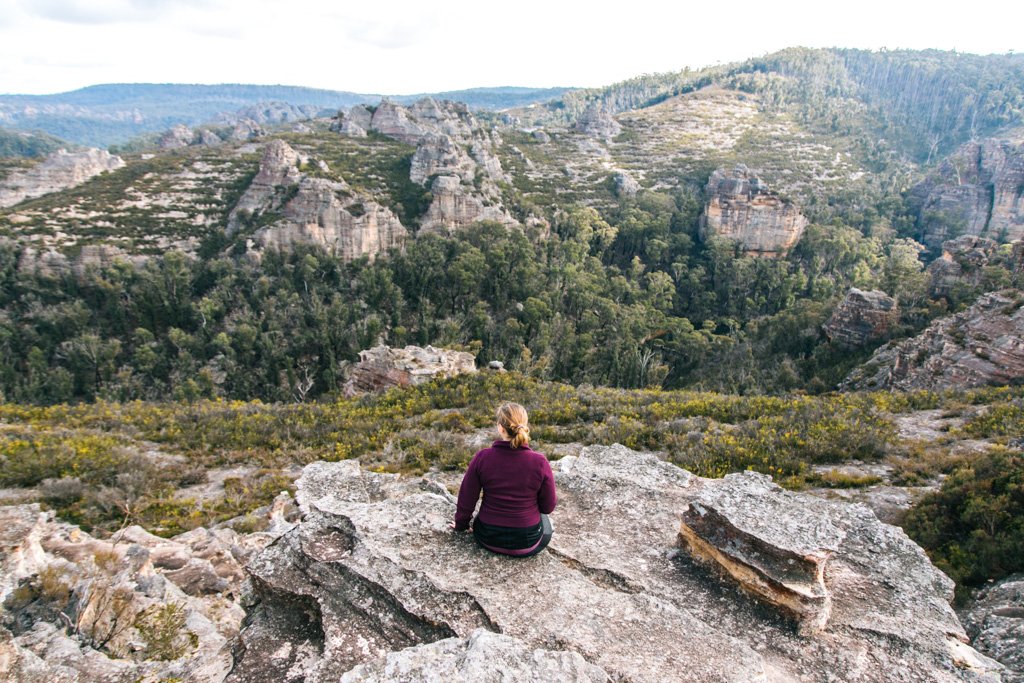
(374,570)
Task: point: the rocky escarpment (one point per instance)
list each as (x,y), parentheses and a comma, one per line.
(862,318)
(740,207)
(383,367)
(134,607)
(979,190)
(374,581)
(59,171)
(980,346)
(283,207)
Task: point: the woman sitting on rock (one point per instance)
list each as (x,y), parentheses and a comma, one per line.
(518,488)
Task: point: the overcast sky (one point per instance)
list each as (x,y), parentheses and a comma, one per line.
(406,46)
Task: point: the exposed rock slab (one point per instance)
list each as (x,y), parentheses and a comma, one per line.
(59,171)
(995,623)
(861,318)
(983,345)
(740,207)
(383,367)
(484,656)
(373,569)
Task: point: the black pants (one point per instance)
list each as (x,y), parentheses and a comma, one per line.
(508,540)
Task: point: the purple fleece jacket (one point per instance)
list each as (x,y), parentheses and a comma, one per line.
(517,483)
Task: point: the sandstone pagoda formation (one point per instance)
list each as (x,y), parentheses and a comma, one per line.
(597,122)
(59,171)
(285,207)
(455,206)
(983,345)
(862,318)
(976,191)
(739,207)
(373,583)
(383,367)
(455,157)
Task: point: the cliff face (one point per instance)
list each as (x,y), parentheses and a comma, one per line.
(59,171)
(740,207)
(310,210)
(980,346)
(639,583)
(977,191)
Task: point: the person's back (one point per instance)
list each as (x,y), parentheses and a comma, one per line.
(518,488)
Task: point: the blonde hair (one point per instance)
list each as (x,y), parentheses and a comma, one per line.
(513,419)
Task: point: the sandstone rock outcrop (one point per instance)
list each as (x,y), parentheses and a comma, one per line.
(976,191)
(484,656)
(454,206)
(288,208)
(75,607)
(597,122)
(739,207)
(397,122)
(961,263)
(383,367)
(59,171)
(995,623)
(175,138)
(373,577)
(983,345)
(440,155)
(862,318)
(454,154)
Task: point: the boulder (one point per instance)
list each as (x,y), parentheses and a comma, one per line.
(373,582)
(626,185)
(739,207)
(983,345)
(383,367)
(862,318)
(59,171)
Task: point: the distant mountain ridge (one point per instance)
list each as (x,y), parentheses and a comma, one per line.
(106,114)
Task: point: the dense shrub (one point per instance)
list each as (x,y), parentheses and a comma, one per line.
(973,527)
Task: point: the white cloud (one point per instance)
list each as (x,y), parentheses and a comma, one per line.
(401,46)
